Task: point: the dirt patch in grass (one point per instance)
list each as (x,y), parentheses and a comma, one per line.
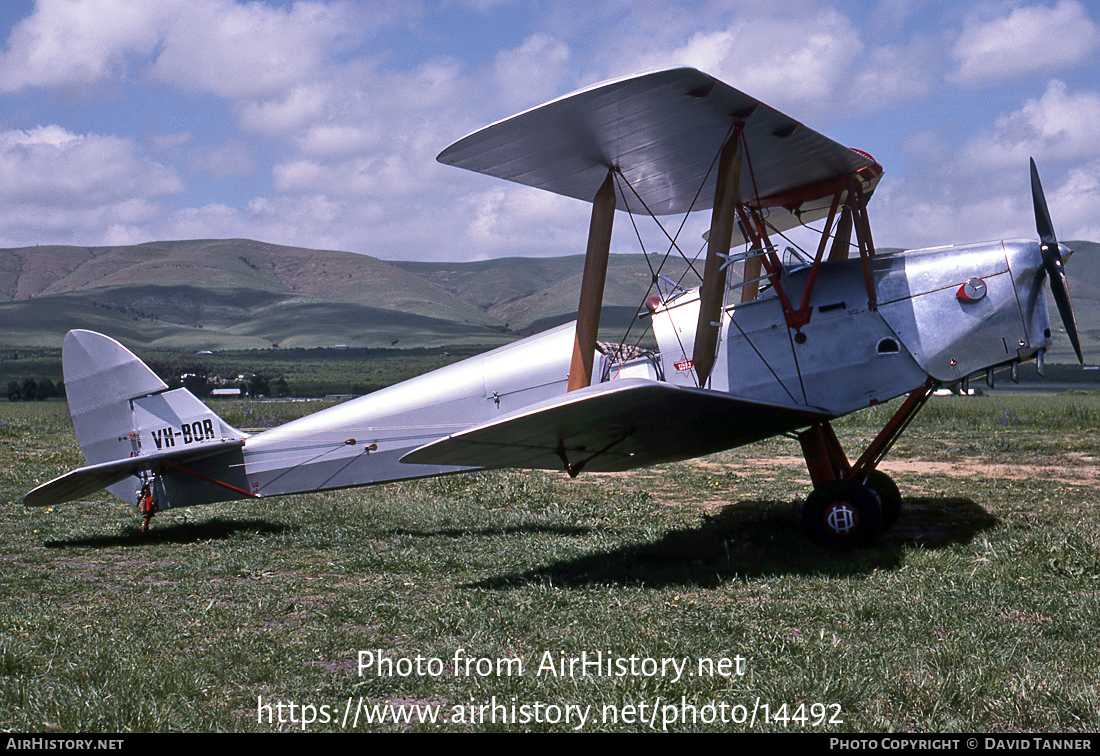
(1081,470)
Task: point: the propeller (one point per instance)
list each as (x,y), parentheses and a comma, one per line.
(1052,261)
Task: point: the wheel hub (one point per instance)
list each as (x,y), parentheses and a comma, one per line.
(841,518)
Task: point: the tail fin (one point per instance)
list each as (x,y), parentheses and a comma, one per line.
(101,377)
(127,421)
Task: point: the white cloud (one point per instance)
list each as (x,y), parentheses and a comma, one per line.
(313,221)
(52,167)
(376,134)
(334,111)
(287,114)
(306,175)
(270,62)
(531,73)
(382,174)
(334,140)
(24,224)
(60,186)
(253,51)
(230,158)
(779,60)
(1030,39)
(1061,125)
(895,73)
(945,208)
(69,43)
(508,219)
(432,85)
(319,221)
(1075,204)
(804,61)
(889,16)
(214,221)
(902,216)
(238,51)
(171,143)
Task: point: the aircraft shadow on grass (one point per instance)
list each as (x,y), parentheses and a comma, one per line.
(217,529)
(746,539)
(758,538)
(220,529)
(562,530)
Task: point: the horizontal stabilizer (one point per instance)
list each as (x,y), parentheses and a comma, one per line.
(615,426)
(87,480)
(662,132)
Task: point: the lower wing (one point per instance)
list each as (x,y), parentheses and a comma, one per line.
(616,426)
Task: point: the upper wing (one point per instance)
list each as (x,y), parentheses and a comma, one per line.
(663,131)
(615,426)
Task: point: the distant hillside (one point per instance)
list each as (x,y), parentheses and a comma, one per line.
(532,294)
(228,294)
(1083,272)
(241,294)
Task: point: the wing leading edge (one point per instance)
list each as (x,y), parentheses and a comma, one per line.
(612,427)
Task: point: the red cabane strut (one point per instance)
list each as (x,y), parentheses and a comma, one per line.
(824,455)
(848,197)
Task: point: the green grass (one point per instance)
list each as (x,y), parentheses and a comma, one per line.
(977,613)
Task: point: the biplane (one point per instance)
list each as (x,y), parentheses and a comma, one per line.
(770,343)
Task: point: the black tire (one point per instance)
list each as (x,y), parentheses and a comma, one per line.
(843,513)
(889,497)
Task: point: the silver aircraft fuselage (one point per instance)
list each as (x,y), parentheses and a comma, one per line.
(926,323)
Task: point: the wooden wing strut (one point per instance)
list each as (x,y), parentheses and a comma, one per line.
(595,273)
(713,289)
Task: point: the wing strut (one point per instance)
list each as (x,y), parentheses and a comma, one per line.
(595,272)
(713,290)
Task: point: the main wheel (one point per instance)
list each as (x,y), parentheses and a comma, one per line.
(889,497)
(843,513)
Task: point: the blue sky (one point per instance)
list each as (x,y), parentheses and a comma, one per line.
(317,123)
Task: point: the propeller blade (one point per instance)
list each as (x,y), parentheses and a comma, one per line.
(1052,261)
(1060,288)
(1042,214)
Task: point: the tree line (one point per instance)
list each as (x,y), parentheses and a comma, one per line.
(34,389)
(193,375)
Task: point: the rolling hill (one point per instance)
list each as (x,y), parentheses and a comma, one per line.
(228,294)
(242,294)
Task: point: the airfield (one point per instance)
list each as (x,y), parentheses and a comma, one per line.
(460,599)
(683,597)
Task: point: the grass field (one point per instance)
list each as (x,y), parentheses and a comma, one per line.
(979,612)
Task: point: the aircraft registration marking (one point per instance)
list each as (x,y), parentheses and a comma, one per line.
(198,431)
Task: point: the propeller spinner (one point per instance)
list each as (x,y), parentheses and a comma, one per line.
(1052,261)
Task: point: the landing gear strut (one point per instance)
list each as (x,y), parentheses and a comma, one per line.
(148,505)
(852,505)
